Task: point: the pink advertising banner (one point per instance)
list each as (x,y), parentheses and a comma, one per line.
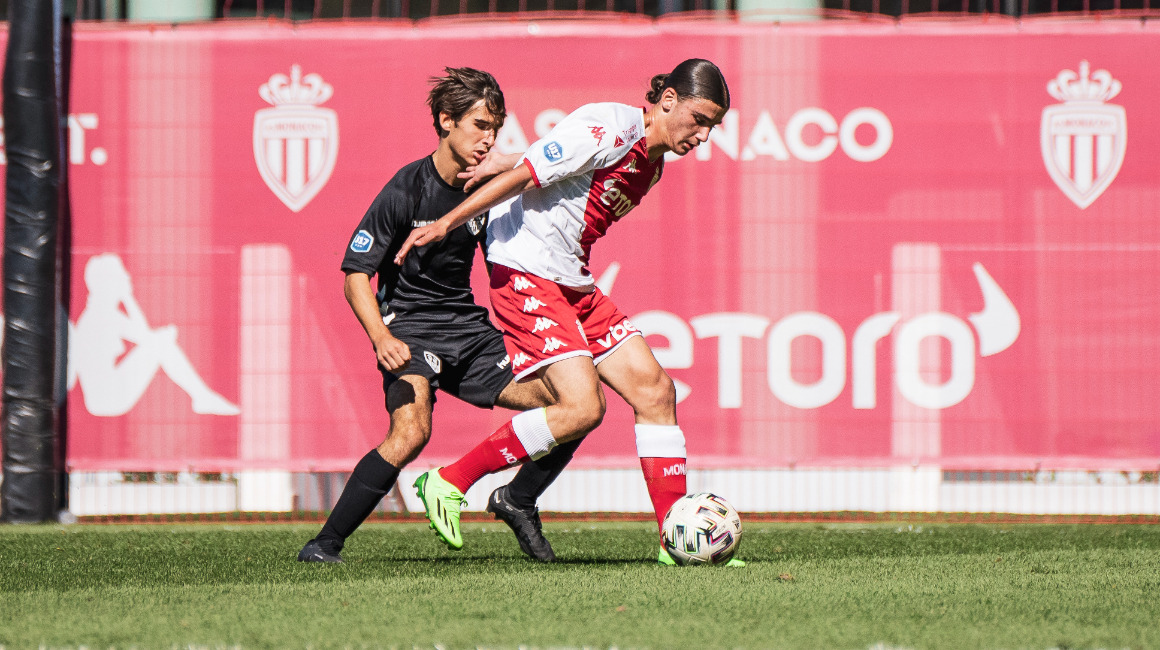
(927,243)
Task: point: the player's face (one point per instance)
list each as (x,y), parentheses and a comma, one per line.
(473,135)
(689,122)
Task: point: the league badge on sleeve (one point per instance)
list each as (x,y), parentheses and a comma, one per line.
(362,242)
(553,151)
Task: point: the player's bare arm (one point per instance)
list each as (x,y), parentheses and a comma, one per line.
(505,186)
(392,353)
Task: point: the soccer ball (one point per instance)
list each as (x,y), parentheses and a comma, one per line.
(701,529)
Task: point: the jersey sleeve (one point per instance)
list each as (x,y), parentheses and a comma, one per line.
(375,234)
(583,141)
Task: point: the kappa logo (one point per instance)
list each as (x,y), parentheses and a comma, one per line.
(598,133)
(630,167)
(617,334)
(296,141)
(520,359)
(1083,139)
(432,360)
(112,322)
(543,323)
(520,283)
(532,304)
(551,344)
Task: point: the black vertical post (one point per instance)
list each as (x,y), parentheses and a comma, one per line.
(90,9)
(33,89)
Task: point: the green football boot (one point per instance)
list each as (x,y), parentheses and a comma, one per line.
(442,502)
(664,559)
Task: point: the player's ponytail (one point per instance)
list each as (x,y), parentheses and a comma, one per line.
(692,78)
(656,87)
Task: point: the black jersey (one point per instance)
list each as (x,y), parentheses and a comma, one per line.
(434,283)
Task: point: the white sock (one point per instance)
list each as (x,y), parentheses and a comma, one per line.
(531,428)
(660,441)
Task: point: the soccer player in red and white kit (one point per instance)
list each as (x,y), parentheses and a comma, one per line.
(568,189)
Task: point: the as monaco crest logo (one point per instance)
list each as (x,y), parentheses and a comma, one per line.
(296,141)
(1083,139)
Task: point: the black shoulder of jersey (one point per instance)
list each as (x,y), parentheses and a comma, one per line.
(407,183)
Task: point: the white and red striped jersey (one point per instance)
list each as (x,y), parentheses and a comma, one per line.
(589,170)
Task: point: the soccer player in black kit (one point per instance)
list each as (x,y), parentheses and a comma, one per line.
(425,327)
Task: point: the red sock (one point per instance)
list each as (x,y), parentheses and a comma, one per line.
(497,452)
(665,478)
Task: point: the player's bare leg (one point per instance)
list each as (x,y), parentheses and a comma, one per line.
(409,401)
(580,403)
(634,373)
(525,395)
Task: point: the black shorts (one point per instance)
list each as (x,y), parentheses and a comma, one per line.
(466,359)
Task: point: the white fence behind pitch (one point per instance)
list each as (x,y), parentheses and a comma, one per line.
(798,490)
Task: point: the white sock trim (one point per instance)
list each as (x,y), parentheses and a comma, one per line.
(531,429)
(660,441)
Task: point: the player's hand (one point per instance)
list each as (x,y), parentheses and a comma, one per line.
(488,167)
(392,353)
(421,237)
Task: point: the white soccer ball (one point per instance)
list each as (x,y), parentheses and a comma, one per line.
(701,529)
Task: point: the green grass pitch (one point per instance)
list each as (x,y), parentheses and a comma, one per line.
(806,586)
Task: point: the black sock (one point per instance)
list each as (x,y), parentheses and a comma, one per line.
(536,475)
(370,481)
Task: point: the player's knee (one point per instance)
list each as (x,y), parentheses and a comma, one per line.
(594,414)
(404,443)
(656,395)
(593,417)
(665,392)
(417,437)
(587,413)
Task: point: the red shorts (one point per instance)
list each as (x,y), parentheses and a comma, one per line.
(543,322)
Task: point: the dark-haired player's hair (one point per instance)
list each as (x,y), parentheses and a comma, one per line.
(455,94)
(692,78)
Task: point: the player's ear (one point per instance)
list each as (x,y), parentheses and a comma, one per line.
(446,122)
(669,99)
